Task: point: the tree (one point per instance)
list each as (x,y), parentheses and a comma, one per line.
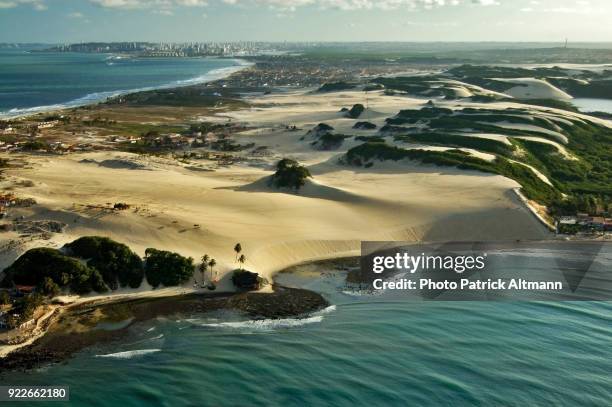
(36,264)
(241,260)
(5,298)
(167,268)
(204,266)
(355,111)
(48,287)
(290,174)
(246,280)
(118,265)
(212,263)
(237,249)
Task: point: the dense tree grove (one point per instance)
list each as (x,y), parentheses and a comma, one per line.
(167,268)
(38,264)
(118,265)
(95,263)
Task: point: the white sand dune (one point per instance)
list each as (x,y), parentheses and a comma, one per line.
(328,218)
(207,212)
(531,88)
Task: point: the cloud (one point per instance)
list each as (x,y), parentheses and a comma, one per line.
(153,4)
(292,5)
(486,2)
(38,5)
(76,14)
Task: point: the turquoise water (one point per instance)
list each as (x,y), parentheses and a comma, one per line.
(33,81)
(362,351)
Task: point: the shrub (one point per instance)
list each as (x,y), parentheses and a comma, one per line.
(36,264)
(336,86)
(329,141)
(48,287)
(167,268)
(355,111)
(34,145)
(118,265)
(453,140)
(322,127)
(290,174)
(25,307)
(364,126)
(244,279)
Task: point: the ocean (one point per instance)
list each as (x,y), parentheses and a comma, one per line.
(40,81)
(363,350)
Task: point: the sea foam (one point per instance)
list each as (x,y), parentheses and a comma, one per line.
(266,324)
(129,354)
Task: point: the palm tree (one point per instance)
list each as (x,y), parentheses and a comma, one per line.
(241,260)
(237,249)
(204,266)
(212,263)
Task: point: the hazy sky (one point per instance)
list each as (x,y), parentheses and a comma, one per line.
(303,20)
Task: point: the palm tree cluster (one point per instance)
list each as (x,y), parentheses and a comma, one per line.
(240,258)
(208,264)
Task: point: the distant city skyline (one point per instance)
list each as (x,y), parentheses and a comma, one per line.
(69,21)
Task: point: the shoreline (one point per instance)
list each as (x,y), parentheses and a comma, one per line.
(75,327)
(98,98)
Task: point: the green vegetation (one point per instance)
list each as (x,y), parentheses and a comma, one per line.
(453,140)
(329,141)
(108,264)
(167,268)
(595,88)
(37,264)
(554,103)
(355,111)
(370,138)
(364,126)
(189,96)
(322,127)
(118,265)
(533,187)
(246,280)
(336,86)
(23,310)
(290,174)
(34,145)
(48,287)
(5,298)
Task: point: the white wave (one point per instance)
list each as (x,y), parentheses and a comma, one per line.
(129,354)
(151,329)
(98,97)
(327,310)
(267,324)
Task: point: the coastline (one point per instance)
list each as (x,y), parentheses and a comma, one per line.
(96,98)
(76,326)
